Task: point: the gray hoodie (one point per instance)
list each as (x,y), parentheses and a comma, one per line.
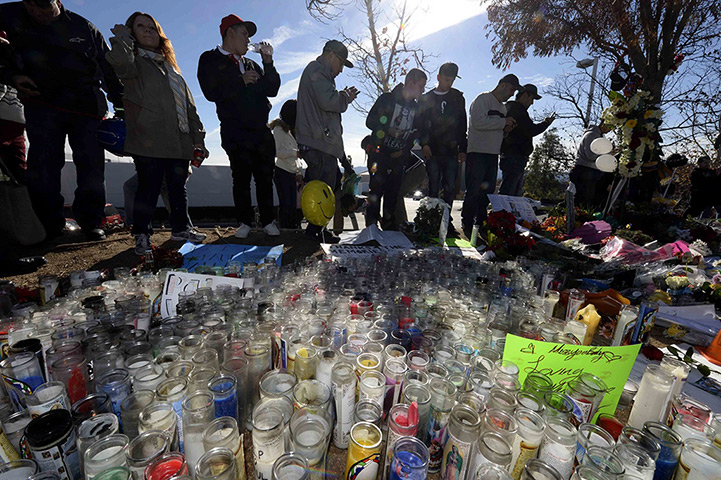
(584,156)
(320,105)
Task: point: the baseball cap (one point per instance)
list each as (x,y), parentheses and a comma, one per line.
(531,89)
(339,49)
(511,79)
(449,69)
(231,20)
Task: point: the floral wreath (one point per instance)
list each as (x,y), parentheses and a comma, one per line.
(636,121)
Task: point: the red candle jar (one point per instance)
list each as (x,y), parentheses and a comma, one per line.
(610,424)
(167,466)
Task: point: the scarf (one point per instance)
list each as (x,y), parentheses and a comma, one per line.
(177,85)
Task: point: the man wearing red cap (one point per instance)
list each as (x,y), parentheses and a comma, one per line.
(240,89)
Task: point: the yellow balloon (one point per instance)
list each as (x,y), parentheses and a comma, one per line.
(318,202)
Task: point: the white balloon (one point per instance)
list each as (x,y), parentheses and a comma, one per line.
(601,146)
(606,163)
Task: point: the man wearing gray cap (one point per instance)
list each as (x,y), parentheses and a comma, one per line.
(518,145)
(318,123)
(487,126)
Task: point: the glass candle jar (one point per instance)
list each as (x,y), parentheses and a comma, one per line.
(498,421)
(587,472)
(368,411)
(491,448)
(422,396)
(224,390)
(19,470)
(364,451)
(689,426)
(275,383)
(105,453)
(596,384)
(144,449)
(268,439)
(130,408)
(90,405)
(463,429)
(116,383)
(557,405)
(113,473)
(490,471)
(223,432)
(536,469)
(394,371)
(671,444)
(443,395)
(636,461)
(46,397)
(679,370)
(652,396)
(324,370)
(170,465)
(502,400)
(343,383)
(372,386)
(418,360)
(409,460)
(199,378)
(604,460)
(94,429)
(312,395)
(216,464)
(583,398)
(527,440)
(258,357)
(591,435)
(173,391)
(160,416)
(149,377)
(699,459)
(309,436)
(198,412)
(635,436)
(73,372)
(558,448)
(291,466)
(306,362)
(238,367)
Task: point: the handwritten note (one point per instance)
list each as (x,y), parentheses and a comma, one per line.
(219,255)
(564,363)
(177,282)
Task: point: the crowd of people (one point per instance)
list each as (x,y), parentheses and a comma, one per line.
(59,66)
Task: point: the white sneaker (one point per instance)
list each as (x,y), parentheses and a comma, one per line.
(142,244)
(189,235)
(271,230)
(243,231)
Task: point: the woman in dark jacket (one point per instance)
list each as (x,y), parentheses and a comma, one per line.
(163,127)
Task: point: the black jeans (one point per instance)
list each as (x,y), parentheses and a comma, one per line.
(481,175)
(384,183)
(591,186)
(47,130)
(251,153)
(513,167)
(151,172)
(287,197)
(324,167)
(442,171)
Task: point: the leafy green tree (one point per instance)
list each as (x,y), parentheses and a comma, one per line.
(548,169)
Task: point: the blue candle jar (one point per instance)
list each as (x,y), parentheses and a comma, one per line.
(116,383)
(225,396)
(671,444)
(410,460)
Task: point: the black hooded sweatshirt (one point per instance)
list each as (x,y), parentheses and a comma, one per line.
(392,110)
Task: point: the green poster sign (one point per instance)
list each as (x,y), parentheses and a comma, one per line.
(564,363)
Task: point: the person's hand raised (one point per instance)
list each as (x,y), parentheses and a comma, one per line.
(250,76)
(120,30)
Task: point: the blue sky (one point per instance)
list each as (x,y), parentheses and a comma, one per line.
(453,30)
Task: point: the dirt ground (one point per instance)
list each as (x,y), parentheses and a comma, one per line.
(72,252)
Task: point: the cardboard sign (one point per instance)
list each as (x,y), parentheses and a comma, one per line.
(176,282)
(564,363)
(219,255)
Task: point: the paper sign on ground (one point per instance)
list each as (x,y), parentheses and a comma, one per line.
(345,252)
(177,282)
(520,207)
(374,234)
(564,363)
(219,255)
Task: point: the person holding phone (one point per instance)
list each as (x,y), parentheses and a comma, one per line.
(518,144)
(59,67)
(318,125)
(163,127)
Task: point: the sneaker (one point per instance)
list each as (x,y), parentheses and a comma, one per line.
(189,235)
(243,231)
(94,234)
(271,230)
(142,244)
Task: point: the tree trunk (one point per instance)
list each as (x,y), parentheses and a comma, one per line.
(376,48)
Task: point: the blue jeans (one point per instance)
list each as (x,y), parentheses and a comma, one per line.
(442,171)
(151,172)
(481,175)
(47,129)
(513,167)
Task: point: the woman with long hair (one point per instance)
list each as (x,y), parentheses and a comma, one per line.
(163,127)
(287,165)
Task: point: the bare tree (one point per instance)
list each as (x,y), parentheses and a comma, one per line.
(382,54)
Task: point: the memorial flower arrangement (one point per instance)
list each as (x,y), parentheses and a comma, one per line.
(636,120)
(502,236)
(428,218)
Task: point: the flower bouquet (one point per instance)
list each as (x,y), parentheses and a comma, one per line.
(428,218)
(502,237)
